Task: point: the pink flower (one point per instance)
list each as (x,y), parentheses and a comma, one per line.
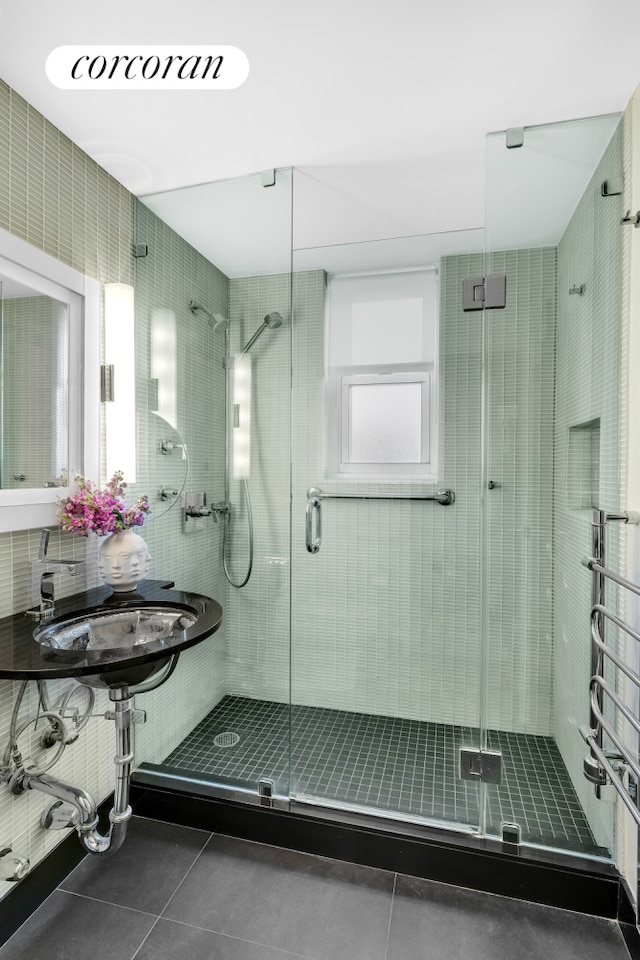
(100,511)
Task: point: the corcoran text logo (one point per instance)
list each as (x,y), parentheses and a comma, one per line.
(147,67)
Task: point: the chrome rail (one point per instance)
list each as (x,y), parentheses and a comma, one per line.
(314,497)
(620,768)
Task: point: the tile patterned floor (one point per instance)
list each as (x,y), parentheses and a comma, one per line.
(176,892)
(405,766)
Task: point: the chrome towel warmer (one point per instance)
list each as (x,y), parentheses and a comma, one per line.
(619,767)
(314,496)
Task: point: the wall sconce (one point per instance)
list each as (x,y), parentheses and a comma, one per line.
(241,450)
(163,364)
(120,362)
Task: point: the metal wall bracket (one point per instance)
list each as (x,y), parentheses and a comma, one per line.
(481,765)
(515,137)
(484,293)
(611,188)
(631,218)
(140,250)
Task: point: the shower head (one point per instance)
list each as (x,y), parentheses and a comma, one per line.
(215,320)
(272,320)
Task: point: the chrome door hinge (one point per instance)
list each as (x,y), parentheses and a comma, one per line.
(484,765)
(484,293)
(106,383)
(265,792)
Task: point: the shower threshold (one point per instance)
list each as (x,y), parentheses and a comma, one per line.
(405,770)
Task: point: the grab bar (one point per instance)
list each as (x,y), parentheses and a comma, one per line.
(443,497)
(315,496)
(601,767)
(313,508)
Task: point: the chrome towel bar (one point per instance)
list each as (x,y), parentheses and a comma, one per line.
(619,767)
(314,496)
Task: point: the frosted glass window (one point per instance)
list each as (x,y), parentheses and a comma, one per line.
(385,423)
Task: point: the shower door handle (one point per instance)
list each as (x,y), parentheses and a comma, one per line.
(313,507)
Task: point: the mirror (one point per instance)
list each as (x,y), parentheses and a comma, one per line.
(34,412)
(49,321)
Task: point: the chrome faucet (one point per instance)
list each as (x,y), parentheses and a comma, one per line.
(46,596)
(71,564)
(43,577)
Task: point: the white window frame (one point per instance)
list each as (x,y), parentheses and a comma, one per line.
(349,465)
(339,464)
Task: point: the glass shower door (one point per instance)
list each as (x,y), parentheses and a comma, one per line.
(551,396)
(385,600)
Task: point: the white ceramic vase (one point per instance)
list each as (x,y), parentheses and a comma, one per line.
(123,560)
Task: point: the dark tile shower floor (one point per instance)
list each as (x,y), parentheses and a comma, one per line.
(407,767)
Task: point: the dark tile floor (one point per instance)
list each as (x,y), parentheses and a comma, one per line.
(403,766)
(174,892)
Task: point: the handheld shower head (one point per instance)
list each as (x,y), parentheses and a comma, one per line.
(272,320)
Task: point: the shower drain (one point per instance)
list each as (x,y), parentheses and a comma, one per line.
(226,739)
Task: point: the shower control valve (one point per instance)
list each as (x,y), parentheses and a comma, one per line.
(193,508)
(202,511)
(220,509)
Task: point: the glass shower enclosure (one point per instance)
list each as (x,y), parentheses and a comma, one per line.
(407,473)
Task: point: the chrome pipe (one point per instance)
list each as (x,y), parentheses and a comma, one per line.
(67,792)
(87,826)
(591,563)
(250,343)
(597,603)
(613,776)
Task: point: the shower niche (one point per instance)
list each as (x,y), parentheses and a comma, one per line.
(583,467)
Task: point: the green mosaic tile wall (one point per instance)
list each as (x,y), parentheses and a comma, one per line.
(517,552)
(587,392)
(386,617)
(166,280)
(58,199)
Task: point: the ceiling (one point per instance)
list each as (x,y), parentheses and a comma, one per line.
(381,107)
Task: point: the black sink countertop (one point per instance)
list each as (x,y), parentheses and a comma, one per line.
(22,658)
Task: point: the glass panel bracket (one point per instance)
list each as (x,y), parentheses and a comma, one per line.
(483,765)
(484,293)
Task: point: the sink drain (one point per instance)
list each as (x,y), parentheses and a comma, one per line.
(226,739)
